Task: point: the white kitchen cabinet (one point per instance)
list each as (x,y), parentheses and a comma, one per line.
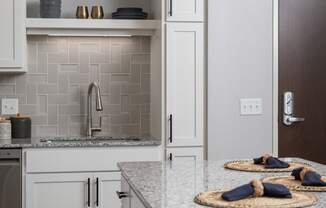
(185,10)
(72,177)
(185,154)
(64,190)
(185,84)
(73,190)
(108,185)
(12,35)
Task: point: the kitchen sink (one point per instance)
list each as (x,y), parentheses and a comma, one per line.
(88,139)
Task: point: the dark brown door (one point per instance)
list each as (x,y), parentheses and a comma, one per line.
(302,70)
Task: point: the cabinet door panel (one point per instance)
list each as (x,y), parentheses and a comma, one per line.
(185,154)
(185,10)
(181,156)
(57,190)
(109,183)
(11,36)
(185,90)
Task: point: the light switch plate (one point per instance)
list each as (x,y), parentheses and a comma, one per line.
(251,106)
(9,106)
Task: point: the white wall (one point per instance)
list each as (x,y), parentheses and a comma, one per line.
(240,61)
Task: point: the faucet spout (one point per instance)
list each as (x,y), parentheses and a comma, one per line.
(99,107)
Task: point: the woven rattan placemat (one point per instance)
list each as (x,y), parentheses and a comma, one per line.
(293,184)
(249,166)
(214,199)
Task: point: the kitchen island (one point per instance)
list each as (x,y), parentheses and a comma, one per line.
(174,184)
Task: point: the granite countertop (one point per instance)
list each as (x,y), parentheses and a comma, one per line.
(175,184)
(71,142)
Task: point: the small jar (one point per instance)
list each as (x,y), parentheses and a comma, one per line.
(5,129)
(21,126)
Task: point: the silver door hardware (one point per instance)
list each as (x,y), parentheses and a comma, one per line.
(288,112)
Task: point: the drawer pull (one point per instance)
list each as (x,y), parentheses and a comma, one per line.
(122,194)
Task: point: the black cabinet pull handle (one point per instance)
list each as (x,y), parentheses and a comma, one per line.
(97,192)
(88,192)
(170,157)
(171,8)
(122,194)
(171,129)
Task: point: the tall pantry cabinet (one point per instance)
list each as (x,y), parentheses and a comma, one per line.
(185,75)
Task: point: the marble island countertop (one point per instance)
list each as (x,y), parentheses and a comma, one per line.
(70,142)
(175,184)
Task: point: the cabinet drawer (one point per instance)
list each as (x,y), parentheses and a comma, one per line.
(87,159)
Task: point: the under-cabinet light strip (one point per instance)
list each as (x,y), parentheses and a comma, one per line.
(90,35)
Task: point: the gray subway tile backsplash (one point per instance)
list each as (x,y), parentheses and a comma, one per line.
(54,90)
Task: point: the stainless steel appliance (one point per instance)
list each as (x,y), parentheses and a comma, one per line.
(10,178)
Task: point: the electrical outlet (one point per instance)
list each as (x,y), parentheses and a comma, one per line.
(251,106)
(9,106)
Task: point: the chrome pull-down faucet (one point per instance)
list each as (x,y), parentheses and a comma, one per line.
(99,107)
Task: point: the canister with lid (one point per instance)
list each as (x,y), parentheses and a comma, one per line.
(21,126)
(5,129)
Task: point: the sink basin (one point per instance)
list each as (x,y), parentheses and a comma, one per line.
(88,139)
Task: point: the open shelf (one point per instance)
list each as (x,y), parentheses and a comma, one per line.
(90,27)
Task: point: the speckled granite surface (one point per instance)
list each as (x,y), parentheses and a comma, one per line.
(69,142)
(174,184)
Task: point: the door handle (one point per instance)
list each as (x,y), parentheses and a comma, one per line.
(122,194)
(294,119)
(88,192)
(288,111)
(97,193)
(171,129)
(170,157)
(171,8)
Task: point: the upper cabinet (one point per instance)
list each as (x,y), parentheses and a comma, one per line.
(12,35)
(185,84)
(185,10)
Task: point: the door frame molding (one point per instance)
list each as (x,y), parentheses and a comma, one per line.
(275,75)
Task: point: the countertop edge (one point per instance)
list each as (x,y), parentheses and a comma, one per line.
(35,143)
(134,188)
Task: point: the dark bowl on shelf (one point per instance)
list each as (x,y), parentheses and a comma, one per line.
(130,10)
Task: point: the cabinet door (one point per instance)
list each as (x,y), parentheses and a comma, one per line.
(185,84)
(185,10)
(194,181)
(105,191)
(185,154)
(11,36)
(65,190)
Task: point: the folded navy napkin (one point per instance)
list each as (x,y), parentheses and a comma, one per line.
(308,176)
(271,162)
(257,189)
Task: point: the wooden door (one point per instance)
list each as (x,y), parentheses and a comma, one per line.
(302,70)
(64,190)
(185,10)
(11,35)
(185,84)
(105,193)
